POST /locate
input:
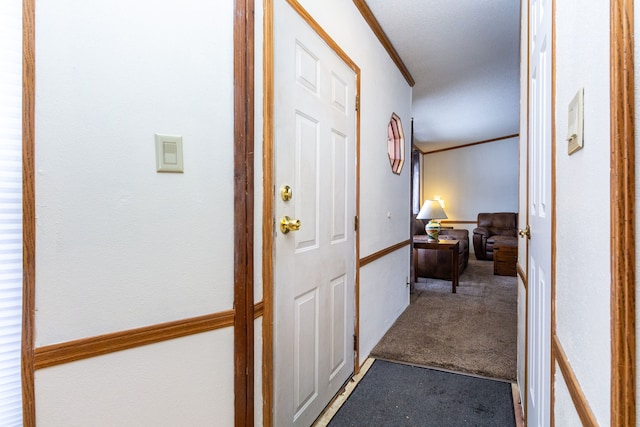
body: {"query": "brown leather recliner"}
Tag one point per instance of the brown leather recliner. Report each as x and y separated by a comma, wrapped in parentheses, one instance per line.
(493, 228)
(437, 264)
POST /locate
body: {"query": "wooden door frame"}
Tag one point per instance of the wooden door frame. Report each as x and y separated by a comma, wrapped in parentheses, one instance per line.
(268, 212)
(623, 253)
(28, 212)
(244, 194)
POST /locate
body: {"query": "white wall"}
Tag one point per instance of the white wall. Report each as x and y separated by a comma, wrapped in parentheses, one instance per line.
(564, 407)
(118, 245)
(383, 298)
(115, 238)
(173, 383)
(479, 178)
(582, 200)
(384, 197)
(471, 180)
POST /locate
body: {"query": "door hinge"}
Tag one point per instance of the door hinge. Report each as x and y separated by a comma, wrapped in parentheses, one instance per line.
(355, 342)
(357, 102)
(355, 223)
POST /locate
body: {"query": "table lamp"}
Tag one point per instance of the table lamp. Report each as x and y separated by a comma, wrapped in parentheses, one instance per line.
(432, 210)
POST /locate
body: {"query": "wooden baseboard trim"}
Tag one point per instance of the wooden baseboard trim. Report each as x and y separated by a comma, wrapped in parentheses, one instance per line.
(85, 348)
(57, 354)
(370, 258)
(579, 399)
(522, 275)
(258, 309)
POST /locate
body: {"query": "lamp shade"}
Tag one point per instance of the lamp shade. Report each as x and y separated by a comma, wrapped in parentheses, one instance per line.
(431, 209)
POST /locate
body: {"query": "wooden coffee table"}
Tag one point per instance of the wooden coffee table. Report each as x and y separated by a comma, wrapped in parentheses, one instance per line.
(442, 245)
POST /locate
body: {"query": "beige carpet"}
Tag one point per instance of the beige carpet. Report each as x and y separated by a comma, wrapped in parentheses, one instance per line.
(473, 331)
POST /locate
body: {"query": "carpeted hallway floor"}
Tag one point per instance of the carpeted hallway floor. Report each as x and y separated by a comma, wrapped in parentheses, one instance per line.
(472, 331)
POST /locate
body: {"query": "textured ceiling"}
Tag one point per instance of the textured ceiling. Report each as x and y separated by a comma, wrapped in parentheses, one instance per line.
(464, 56)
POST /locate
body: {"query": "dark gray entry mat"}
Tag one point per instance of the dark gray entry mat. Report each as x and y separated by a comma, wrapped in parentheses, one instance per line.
(393, 394)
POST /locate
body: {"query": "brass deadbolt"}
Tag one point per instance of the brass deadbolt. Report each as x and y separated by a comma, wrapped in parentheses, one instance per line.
(286, 193)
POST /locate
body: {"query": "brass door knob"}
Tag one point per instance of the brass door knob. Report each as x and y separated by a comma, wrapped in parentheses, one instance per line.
(289, 224)
(526, 232)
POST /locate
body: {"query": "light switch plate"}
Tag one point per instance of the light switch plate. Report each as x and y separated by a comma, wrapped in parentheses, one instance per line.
(169, 153)
(575, 124)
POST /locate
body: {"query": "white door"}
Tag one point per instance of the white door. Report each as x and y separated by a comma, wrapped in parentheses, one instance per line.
(315, 145)
(540, 211)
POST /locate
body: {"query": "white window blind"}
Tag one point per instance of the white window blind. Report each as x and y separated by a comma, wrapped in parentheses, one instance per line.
(10, 211)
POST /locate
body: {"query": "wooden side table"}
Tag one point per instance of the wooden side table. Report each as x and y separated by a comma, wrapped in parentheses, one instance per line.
(505, 258)
(442, 245)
